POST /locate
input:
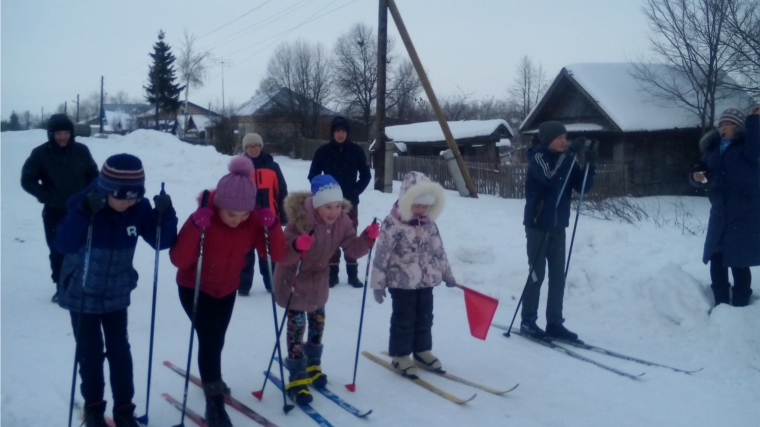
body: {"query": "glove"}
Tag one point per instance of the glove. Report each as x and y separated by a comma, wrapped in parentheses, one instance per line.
(372, 231)
(202, 217)
(92, 203)
(451, 284)
(163, 202)
(303, 243)
(592, 155)
(579, 145)
(379, 295)
(265, 216)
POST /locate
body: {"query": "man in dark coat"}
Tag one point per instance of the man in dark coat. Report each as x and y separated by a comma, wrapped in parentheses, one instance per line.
(547, 214)
(54, 171)
(730, 171)
(343, 160)
(271, 190)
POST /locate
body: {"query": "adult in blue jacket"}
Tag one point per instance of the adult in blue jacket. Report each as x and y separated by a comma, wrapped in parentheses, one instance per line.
(730, 171)
(550, 163)
(117, 212)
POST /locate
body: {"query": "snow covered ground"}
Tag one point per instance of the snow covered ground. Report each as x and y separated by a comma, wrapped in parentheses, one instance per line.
(639, 289)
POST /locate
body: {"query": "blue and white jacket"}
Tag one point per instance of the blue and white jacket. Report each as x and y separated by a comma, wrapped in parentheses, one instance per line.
(110, 276)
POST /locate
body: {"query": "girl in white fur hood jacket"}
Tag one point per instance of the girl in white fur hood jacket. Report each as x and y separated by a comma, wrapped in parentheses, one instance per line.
(410, 260)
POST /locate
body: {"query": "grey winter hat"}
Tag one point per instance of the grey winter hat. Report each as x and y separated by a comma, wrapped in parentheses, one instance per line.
(733, 115)
(550, 130)
(252, 139)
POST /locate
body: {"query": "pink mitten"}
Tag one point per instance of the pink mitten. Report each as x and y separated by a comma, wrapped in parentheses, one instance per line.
(265, 216)
(202, 217)
(373, 230)
(303, 242)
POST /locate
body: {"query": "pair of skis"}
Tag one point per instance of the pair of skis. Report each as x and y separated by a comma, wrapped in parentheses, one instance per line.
(555, 345)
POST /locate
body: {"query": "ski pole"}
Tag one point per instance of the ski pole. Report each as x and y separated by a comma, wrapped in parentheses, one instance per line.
(144, 418)
(577, 214)
(276, 328)
(204, 203)
(352, 387)
(540, 249)
(81, 314)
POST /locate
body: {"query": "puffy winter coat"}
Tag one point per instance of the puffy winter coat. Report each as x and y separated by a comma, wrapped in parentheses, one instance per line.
(312, 288)
(111, 276)
(270, 191)
(547, 172)
(409, 253)
(733, 182)
(224, 250)
(343, 161)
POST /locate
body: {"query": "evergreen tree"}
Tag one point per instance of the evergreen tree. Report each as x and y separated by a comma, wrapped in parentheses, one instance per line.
(14, 123)
(161, 90)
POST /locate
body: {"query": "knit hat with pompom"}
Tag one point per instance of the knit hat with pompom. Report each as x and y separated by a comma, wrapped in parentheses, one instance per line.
(236, 191)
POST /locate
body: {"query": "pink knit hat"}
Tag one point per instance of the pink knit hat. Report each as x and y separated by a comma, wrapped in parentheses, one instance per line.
(236, 191)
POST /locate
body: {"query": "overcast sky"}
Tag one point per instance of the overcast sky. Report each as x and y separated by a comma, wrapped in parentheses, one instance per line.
(53, 50)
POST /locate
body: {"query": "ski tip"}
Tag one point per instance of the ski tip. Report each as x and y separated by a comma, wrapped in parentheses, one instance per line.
(365, 414)
(694, 371)
(287, 408)
(167, 363)
(258, 394)
(467, 400)
(351, 387)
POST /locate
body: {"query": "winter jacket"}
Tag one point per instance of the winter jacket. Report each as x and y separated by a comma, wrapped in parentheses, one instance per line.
(312, 288)
(733, 182)
(224, 250)
(266, 162)
(409, 253)
(111, 276)
(343, 161)
(547, 172)
(53, 173)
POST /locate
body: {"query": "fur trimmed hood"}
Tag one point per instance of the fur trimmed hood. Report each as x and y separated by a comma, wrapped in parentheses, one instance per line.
(414, 185)
(711, 139)
(301, 212)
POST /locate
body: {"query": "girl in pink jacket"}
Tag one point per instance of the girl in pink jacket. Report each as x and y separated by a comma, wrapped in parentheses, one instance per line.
(318, 225)
(410, 261)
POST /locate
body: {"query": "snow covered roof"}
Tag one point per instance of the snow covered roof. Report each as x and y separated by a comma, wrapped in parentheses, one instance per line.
(431, 131)
(260, 104)
(253, 105)
(623, 99)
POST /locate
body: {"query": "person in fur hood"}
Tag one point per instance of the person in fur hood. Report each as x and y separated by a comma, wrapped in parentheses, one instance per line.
(318, 224)
(410, 260)
(730, 171)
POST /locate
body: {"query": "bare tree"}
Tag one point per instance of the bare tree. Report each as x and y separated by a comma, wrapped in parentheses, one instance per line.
(193, 65)
(458, 106)
(689, 37)
(528, 87)
(743, 28)
(403, 91)
(302, 68)
(120, 98)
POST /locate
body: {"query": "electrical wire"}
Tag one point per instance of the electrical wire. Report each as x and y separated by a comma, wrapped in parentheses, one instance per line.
(236, 19)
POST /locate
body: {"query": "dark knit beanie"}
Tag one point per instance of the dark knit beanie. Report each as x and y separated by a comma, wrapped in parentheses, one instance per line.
(733, 115)
(339, 122)
(550, 130)
(122, 177)
(58, 122)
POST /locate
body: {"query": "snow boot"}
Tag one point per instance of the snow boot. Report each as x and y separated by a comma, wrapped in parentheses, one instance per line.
(124, 416)
(558, 331)
(94, 414)
(353, 275)
(314, 365)
(429, 360)
(405, 366)
(531, 330)
(721, 294)
(216, 414)
(298, 387)
(741, 296)
(243, 292)
(334, 270)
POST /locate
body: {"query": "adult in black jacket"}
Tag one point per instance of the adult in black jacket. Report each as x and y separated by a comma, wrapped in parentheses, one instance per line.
(56, 170)
(343, 160)
(271, 190)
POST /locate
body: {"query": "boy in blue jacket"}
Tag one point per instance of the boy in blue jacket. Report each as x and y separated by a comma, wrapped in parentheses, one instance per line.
(549, 164)
(117, 212)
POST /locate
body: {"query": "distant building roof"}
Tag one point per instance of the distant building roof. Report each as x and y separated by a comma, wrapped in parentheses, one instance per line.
(268, 103)
(463, 129)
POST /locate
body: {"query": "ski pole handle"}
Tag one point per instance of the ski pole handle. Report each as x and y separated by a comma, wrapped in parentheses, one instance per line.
(162, 189)
(303, 253)
(204, 200)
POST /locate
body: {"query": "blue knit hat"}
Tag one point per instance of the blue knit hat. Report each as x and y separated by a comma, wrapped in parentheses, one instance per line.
(123, 177)
(325, 189)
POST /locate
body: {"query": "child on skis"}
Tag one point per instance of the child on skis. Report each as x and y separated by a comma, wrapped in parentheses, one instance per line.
(318, 225)
(410, 261)
(102, 225)
(230, 232)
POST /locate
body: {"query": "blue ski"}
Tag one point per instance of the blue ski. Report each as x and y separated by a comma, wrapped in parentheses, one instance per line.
(319, 419)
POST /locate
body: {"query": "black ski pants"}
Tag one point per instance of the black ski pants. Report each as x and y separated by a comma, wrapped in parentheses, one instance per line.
(721, 286)
(545, 247)
(50, 220)
(411, 321)
(246, 276)
(95, 329)
(211, 321)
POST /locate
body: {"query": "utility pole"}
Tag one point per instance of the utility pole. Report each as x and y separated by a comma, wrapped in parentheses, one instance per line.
(223, 63)
(100, 112)
(382, 62)
(66, 107)
(77, 108)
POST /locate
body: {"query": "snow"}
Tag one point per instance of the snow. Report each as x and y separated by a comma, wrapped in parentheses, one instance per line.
(632, 108)
(504, 143)
(251, 106)
(639, 289)
(431, 131)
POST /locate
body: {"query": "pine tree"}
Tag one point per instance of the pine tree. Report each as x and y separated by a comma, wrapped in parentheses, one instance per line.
(14, 123)
(161, 90)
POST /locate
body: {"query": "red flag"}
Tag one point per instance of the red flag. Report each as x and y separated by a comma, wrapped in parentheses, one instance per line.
(480, 311)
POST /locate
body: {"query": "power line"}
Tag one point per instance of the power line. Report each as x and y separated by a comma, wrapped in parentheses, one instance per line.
(236, 19)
